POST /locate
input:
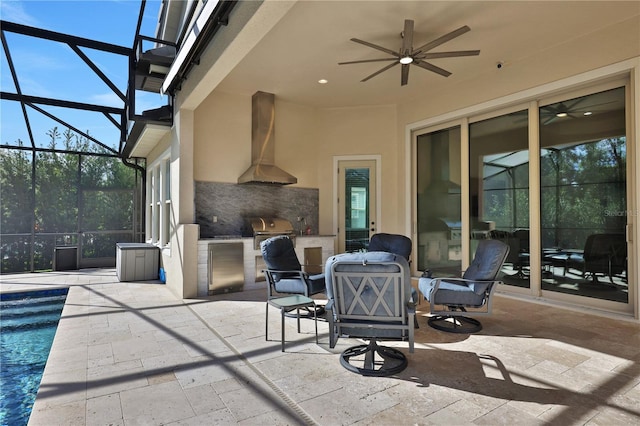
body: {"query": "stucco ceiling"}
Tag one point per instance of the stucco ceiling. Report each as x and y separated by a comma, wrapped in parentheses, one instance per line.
(309, 41)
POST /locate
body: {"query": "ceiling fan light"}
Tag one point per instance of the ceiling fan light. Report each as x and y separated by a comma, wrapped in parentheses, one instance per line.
(406, 60)
(561, 114)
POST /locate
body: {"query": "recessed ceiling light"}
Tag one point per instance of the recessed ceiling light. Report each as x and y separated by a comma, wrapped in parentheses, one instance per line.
(323, 81)
(406, 60)
(587, 113)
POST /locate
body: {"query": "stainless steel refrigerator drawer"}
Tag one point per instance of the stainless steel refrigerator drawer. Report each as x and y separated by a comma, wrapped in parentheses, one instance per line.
(225, 267)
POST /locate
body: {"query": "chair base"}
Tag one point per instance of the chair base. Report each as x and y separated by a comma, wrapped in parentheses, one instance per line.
(455, 324)
(378, 360)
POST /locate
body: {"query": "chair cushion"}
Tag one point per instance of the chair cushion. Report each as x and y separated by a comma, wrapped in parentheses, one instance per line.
(450, 293)
(486, 264)
(280, 255)
(392, 243)
(372, 257)
(316, 284)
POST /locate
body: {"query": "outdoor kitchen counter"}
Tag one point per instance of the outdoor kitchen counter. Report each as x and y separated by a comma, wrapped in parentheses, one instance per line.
(253, 258)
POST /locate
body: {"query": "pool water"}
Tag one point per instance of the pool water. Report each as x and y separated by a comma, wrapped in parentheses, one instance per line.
(28, 323)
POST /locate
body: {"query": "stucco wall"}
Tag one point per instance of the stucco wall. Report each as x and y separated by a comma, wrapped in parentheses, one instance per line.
(223, 139)
(307, 139)
(368, 130)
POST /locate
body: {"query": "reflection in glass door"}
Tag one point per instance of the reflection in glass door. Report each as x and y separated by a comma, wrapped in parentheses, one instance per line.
(356, 204)
(499, 189)
(439, 224)
(583, 196)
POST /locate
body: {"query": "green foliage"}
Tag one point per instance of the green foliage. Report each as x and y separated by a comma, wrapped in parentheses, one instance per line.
(583, 190)
(15, 184)
(71, 193)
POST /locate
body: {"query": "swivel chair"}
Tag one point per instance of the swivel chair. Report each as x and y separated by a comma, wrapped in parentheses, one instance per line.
(396, 244)
(604, 254)
(369, 297)
(284, 273)
(474, 290)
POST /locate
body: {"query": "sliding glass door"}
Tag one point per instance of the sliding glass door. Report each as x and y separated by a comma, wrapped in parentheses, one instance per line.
(583, 194)
(499, 189)
(550, 180)
(439, 222)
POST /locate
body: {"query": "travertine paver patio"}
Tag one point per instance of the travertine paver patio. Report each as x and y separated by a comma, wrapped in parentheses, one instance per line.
(133, 354)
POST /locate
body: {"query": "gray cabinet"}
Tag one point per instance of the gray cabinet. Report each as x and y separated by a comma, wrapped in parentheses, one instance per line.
(137, 261)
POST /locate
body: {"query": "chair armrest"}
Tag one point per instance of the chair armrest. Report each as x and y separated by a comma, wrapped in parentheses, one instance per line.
(413, 303)
(329, 305)
(411, 308)
(300, 274)
(462, 282)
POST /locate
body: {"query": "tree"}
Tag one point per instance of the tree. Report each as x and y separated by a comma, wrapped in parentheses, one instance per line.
(74, 195)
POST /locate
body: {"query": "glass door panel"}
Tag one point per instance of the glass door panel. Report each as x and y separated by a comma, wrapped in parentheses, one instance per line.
(583, 196)
(357, 204)
(439, 247)
(499, 189)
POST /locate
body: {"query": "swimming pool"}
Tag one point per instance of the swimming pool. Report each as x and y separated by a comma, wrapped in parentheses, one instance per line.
(28, 325)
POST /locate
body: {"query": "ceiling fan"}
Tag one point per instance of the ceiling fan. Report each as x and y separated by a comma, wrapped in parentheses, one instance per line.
(407, 55)
(570, 109)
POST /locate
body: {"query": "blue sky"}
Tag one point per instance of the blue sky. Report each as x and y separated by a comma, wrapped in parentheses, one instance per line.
(52, 70)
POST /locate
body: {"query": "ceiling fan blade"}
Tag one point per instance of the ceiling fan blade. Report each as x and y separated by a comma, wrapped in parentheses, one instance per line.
(367, 60)
(575, 103)
(435, 55)
(375, 46)
(592, 107)
(379, 71)
(441, 40)
(407, 38)
(431, 67)
(404, 79)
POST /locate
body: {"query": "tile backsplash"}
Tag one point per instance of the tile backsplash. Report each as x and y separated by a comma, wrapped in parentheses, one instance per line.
(233, 205)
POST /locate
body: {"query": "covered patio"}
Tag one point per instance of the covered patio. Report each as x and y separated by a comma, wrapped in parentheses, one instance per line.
(133, 353)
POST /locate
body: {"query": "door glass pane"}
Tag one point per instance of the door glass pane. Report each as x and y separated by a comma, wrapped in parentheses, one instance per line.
(438, 198)
(356, 209)
(499, 189)
(583, 196)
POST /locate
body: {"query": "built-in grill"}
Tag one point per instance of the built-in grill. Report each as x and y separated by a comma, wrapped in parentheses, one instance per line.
(267, 227)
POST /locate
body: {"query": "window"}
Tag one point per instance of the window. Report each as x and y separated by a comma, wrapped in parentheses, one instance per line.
(358, 207)
(159, 224)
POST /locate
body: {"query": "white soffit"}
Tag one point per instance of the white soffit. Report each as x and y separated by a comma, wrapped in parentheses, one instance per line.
(150, 137)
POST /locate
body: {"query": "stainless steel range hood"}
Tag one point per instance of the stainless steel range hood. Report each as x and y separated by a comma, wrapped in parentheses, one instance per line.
(263, 168)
